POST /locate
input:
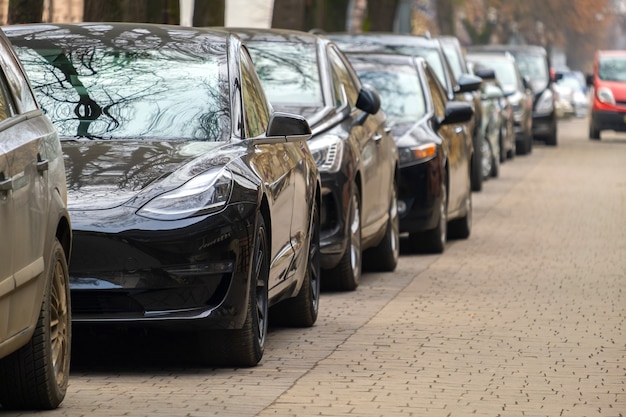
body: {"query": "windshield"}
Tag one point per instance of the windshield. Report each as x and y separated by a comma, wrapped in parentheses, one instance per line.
(504, 69)
(534, 68)
(612, 68)
(288, 72)
(401, 94)
(108, 93)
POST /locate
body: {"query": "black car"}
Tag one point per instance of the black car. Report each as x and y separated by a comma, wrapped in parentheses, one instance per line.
(534, 65)
(518, 93)
(432, 50)
(194, 205)
(351, 143)
(433, 189)
(35, 248)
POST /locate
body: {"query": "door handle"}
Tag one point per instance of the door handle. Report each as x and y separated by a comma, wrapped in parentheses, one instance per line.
(6, 184)
(42, 165)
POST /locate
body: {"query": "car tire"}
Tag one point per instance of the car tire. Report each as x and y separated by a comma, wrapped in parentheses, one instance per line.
(477, 171)
(384, 257)
(302, 310)
(522, 147)
(434, 240)
(39, 371)
(594, 133)
(244, 347)
(495, 168)
(487, 162)
(461, 228)
(551, 139)
(347, 274)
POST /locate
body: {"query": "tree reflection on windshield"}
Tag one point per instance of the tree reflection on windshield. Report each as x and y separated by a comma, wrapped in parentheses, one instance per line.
(126, 89)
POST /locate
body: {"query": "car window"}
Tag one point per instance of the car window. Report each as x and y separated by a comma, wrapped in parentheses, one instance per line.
(453, 59)
(535, 68)
(256, 111)
(341, 72)
(285, 68)
(612, 68)
(16, 80)
(399, 87)
(6, 105)
(95, 90)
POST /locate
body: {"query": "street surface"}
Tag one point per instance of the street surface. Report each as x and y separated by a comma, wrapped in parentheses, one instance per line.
(525, 318)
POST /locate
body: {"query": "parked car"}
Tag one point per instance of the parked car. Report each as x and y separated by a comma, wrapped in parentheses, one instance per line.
(432, 51)
(458, 64)
(577, 94)
(608, 109)
(351, 143)
(434, 194)
(534, 65)
(195, 206)
(35, 246)
(518, 93)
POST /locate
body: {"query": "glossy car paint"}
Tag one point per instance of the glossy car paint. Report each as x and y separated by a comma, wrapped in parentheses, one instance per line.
(420, 190)
(608, 109)
(137, 265)
(368, 157)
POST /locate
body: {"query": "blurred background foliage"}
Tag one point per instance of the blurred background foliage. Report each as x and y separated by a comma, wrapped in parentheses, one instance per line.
(567, 28)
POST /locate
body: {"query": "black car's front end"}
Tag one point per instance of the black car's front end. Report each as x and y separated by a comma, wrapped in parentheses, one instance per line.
(419, 185)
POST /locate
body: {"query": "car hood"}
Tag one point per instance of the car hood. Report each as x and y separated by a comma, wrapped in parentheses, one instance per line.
(408, 135)
(107, 174)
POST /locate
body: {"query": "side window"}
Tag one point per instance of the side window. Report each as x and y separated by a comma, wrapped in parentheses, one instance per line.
(342, 75)
(6, 105)
(256, 110)
(16, 80)
(437, 92)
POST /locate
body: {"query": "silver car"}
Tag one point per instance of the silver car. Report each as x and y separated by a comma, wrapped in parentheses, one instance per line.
(35, 242)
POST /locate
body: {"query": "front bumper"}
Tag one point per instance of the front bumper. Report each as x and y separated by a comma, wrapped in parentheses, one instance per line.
(609, 120)
(419, 195)
(128, 269)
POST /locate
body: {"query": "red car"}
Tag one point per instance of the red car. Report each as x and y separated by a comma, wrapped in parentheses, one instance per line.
(608, 111)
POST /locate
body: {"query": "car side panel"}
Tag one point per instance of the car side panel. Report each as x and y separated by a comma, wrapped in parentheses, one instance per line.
(7, 284)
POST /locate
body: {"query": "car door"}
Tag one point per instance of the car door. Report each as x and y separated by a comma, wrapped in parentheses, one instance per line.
(28, 189)
(364, 134)
(6, 245)
(276, 165)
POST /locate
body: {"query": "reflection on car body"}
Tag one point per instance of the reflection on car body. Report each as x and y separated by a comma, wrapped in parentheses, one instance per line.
(352, 146)
(431, 198)
(195, 205)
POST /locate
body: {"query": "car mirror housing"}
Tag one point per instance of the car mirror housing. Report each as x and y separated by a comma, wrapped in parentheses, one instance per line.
(487, 74)
(469, 83)
(290, 126)
(368, 100)
(458, 112)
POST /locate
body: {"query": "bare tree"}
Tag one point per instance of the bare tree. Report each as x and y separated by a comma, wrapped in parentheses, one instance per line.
(289, 14)
(382, 14)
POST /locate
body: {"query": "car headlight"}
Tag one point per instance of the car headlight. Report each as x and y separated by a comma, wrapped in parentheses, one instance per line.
(416, 154)
(204, 193)
(605, 95)
(545, 104)
(327, 152)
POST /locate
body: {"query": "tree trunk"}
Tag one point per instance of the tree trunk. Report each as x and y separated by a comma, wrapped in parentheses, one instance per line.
(101, 11)
(445, 16)
(382, 14)
(289, 14)
(25, 11)
(209, 12)
(327, 15)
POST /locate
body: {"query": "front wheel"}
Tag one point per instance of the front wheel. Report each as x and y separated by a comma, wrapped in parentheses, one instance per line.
(384, 257)
(477, 168)
(347, 274)
(244, 347)
(594, 133)
(461, 228)
(39, 371)
(434, 240)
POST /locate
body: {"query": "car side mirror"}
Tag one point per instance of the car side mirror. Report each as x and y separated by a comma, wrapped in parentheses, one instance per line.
(469, 83)
(289, 126)
(458, 112)
(487, 74)
(368, 100)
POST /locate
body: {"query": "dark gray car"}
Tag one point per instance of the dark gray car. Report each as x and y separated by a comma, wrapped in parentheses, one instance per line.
(35, 332)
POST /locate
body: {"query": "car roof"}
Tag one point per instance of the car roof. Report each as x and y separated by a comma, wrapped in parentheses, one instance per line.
(528, 49)
(275, 35)
(362, 41)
